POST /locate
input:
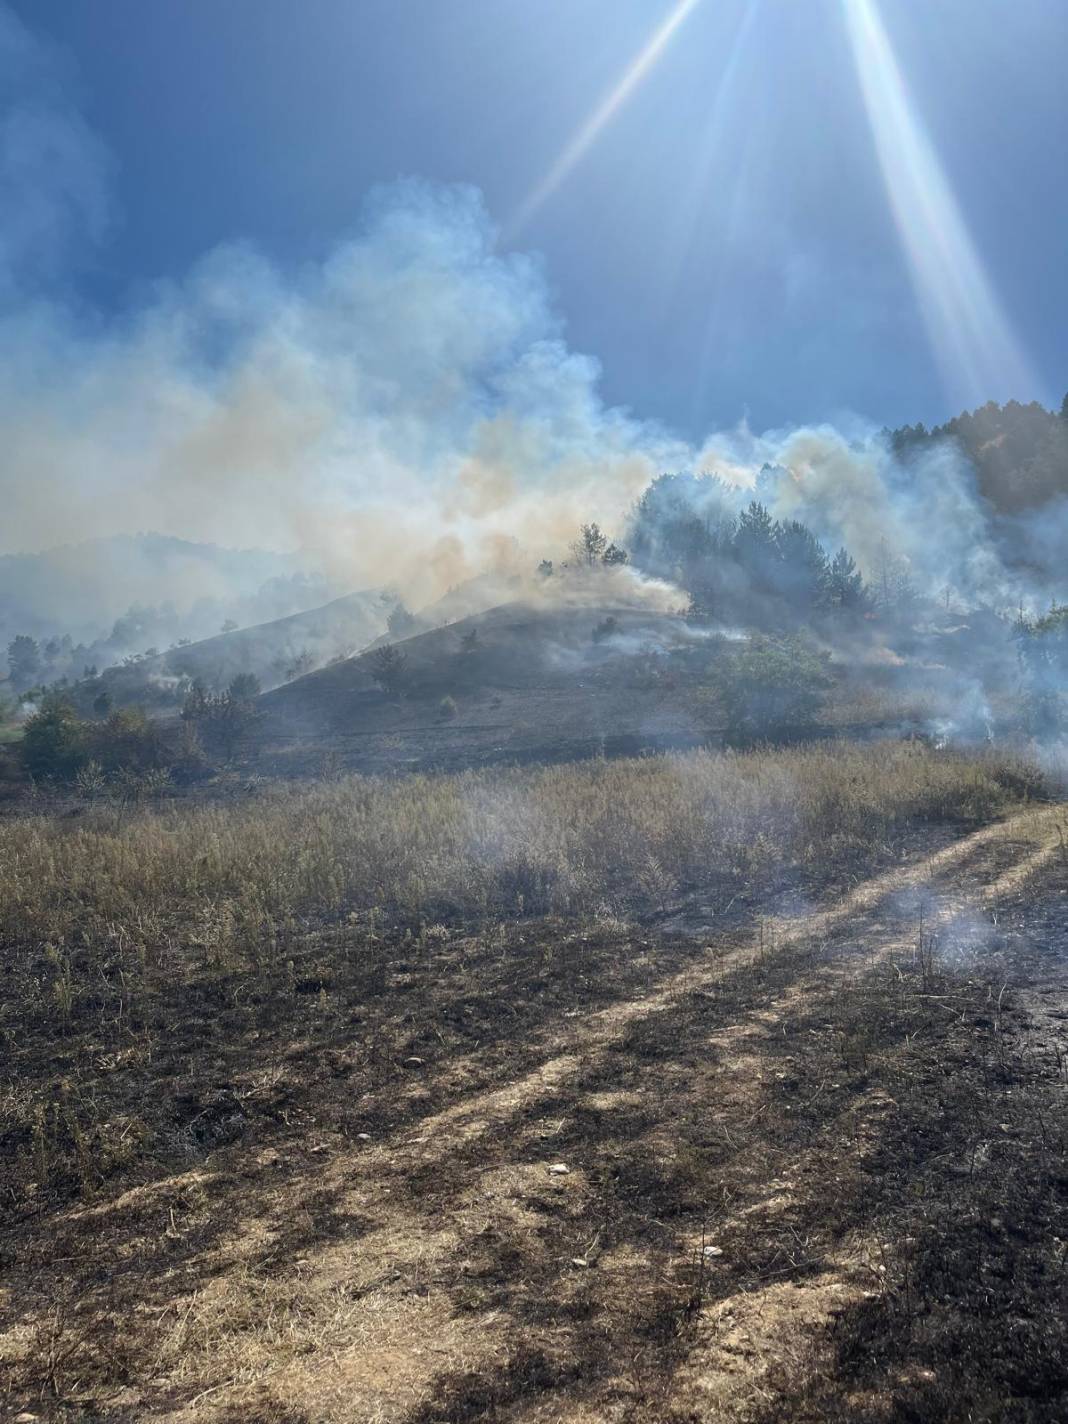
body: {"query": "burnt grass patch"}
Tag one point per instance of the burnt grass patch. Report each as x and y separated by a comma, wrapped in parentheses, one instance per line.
(858, 1116)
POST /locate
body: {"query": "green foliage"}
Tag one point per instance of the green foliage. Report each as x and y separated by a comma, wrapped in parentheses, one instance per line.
(23, 660)
(447, 709)
(127, 740)
(771, 686)
(1019, 452)
(845, 584)
(221, 720)
(1043, 648)
(400, 622)
(54, 743)
(589, 548)
(744, 568)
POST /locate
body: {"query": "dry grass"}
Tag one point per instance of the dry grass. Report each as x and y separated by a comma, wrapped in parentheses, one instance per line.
(275, 1139)
(228, 878)
(308, 1228)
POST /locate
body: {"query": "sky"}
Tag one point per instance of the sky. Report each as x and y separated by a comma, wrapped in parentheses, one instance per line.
(783, 214)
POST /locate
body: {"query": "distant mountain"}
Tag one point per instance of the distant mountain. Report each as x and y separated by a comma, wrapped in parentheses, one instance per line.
(82, 589)
(274, 652)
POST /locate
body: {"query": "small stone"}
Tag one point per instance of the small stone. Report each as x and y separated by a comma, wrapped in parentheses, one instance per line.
(579, 1261)
(713, 1251)
(363, 1137)
(558, 1169)
(413, 1062)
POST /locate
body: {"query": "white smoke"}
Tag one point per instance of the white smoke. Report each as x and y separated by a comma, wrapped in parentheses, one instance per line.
(404, 412)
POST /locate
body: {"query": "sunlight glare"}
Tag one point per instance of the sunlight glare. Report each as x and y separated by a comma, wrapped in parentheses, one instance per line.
(968, 328)
(603, 114)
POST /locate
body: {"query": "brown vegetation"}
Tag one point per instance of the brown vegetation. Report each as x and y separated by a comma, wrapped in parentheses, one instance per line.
(289, 1079)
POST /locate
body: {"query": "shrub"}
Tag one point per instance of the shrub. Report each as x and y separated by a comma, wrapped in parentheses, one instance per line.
(127, 739)
(447, 709)
(244, 687)
(770, 686)
(388, 666)
(54, 741)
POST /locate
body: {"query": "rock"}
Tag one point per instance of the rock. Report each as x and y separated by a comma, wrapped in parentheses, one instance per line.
(413, 1062)
(558, 1169)
(579, 1261)
(363, 1137)
(711, 1251)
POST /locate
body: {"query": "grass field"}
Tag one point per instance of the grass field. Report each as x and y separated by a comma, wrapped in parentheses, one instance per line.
(710, 1087)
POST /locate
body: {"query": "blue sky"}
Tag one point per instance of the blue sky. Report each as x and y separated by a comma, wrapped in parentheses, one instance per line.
(724, 245)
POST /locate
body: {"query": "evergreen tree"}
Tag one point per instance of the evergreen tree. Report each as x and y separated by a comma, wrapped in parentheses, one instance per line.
(845, 584)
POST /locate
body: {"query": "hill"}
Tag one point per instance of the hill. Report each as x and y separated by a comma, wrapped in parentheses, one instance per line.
(517, 682)
(272, 652)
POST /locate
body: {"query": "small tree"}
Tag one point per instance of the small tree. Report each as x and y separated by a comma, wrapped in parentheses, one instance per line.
(589, 548)
(845, 584)
(23, 660)
(244, 687)
(400, 622)
(388, 666)
(300, 666)
(614, 555)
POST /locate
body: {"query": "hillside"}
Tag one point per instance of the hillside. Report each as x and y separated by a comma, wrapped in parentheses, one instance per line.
(522, 683)
(272, 651)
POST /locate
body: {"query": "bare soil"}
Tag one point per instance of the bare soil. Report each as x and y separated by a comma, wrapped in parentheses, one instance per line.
(798, 1157)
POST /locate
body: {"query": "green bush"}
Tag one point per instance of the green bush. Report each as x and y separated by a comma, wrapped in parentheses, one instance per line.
(771, 686)
(54, 743)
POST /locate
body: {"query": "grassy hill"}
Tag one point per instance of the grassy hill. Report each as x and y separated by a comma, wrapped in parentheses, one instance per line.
(516, 683)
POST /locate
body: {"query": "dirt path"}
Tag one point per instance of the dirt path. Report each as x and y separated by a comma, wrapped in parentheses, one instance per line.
(536, 1251)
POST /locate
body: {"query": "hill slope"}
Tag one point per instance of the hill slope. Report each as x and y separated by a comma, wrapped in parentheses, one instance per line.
(516, 683)
(271, 651)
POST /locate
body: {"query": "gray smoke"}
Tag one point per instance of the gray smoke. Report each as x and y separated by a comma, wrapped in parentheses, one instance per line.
(405, 412)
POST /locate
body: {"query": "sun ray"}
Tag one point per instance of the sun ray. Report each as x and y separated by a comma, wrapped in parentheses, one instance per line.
(604, 113)
(969, 331)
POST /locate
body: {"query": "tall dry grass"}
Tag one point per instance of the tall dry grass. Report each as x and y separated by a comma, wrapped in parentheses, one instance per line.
(560, 839)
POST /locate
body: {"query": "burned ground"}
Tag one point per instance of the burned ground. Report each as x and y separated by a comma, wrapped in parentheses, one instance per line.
(524, 684)
(813, 1140)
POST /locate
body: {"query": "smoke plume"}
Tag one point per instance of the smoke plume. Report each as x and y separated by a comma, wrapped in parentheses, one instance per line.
(404, 411)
